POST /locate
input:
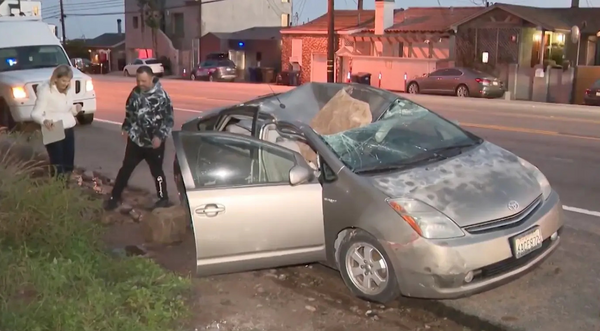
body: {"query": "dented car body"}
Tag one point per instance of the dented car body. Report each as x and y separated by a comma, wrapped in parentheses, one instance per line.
(398, 199)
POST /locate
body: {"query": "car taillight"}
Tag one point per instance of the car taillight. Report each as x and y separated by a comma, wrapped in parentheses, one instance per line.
(483, 81)
(588, 92)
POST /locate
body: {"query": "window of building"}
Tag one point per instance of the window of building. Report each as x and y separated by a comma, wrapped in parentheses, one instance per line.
(178, 25)
(285, 19)
(136, 22)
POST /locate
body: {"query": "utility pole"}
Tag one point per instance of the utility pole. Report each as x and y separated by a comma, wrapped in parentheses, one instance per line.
(360, 4)
(62, 22)
(330, 42)
(200, 31)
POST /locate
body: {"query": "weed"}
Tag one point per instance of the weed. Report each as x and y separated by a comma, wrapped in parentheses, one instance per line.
(55, 273)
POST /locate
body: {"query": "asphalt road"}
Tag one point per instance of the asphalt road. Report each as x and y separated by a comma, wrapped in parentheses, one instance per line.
(563, 141)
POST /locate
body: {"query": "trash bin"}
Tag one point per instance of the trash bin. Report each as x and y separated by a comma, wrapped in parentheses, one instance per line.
(361, 78)
(268, 74)
(252, 74)
(294, 78)
(283, 78)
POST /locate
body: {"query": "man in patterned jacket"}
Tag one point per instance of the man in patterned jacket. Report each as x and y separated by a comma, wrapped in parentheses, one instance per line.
(147, 125)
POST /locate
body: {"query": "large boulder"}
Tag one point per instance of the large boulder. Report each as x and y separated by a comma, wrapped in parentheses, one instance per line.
(164, 225)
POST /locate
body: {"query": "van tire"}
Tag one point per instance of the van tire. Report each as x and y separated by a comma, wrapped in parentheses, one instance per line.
(6, 119)
(85, 119)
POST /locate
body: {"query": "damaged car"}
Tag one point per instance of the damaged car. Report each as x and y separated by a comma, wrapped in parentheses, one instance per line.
(398, 199)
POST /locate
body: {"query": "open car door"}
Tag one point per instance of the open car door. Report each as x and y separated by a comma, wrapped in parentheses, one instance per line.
(246, 213)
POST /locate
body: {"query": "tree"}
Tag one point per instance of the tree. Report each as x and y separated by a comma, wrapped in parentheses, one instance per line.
(151, 14)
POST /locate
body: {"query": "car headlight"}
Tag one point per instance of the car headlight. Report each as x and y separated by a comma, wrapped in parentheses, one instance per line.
(18, 92)
(427, 221)
(89, 86)
(539, 176)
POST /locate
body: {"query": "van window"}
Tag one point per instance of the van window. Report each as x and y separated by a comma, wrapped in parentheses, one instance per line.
(32, 57)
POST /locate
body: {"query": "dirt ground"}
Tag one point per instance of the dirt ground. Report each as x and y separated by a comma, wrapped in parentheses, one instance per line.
(301, 298)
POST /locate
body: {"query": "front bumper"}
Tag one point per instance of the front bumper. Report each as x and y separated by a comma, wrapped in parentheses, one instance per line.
(21, 112)
(436, 269)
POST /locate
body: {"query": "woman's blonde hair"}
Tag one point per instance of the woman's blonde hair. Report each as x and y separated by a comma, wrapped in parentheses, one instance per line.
(59, 72)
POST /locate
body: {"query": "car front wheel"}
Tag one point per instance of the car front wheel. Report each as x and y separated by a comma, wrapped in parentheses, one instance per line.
(366, 269)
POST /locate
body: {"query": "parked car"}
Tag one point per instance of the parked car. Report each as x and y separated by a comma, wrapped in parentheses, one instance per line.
(85, 65)
(214, 70)
(154, 64)
(398, 199)
(592, 95)
(462, 82)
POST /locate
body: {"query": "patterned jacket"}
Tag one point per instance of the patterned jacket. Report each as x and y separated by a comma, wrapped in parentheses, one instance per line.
(148, 114)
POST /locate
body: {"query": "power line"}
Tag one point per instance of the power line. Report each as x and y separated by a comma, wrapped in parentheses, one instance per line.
(87, 4)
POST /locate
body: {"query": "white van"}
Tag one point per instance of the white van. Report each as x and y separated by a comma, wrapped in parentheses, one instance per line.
(29, 52)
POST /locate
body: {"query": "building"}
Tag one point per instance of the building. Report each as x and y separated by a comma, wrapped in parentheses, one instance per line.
(403, 43)
(183, 22)
(28, 8)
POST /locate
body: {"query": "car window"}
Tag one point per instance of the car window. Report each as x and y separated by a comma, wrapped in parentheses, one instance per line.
(226, 63)
(209, 63)
(218, 161)
(152, 61)
(596, 84)
(438, 73)
(406, 132)
(31, 57)
(452, 72)
(138, 61)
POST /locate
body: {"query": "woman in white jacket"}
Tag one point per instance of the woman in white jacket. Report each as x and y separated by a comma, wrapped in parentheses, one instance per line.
(55, 103)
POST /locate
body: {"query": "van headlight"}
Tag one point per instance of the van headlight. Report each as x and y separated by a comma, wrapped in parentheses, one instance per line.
(427, 221)
(18, 92)
(89, 86)
(539, 176)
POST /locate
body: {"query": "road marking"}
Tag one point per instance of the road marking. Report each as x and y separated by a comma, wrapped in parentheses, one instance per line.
(581, 211)
(189, 110)
(524, 130)
(567, 208)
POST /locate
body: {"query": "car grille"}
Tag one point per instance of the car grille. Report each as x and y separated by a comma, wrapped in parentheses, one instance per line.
(34, 87)
(77, 86)
(506, 222)
(512, 263)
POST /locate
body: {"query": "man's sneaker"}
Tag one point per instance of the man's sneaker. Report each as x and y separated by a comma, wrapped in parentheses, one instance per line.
(111, 204)
(162, 203)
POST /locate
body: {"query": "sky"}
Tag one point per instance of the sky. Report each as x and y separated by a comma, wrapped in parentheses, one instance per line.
(91, 18)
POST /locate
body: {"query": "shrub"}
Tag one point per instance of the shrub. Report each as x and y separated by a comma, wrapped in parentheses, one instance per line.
(55, 273)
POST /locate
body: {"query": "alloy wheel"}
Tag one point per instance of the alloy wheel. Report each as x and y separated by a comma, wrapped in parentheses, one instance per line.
(462, 92)
(367, 269)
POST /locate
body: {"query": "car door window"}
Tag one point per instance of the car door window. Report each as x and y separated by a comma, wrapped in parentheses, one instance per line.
(437, 73)
(235, 161)
(208, 64)
(137, 61)
(452, 73)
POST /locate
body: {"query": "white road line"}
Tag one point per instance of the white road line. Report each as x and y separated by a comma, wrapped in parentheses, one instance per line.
(189, 110)
(567, 208)
(582, 211)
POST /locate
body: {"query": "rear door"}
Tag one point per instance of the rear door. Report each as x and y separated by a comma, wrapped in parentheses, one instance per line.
(449, 81)
(243, 220)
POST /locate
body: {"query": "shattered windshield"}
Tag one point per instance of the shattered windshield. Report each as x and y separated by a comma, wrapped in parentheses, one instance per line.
(405, 135)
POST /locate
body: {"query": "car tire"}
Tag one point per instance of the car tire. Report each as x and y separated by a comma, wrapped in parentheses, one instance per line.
(211, 78)
(462, 91)
(413, 88)
(6, 119)
(85, 119)
(354, 243)
(192, 77)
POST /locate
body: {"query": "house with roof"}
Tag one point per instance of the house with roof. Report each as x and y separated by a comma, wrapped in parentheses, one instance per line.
(109, 49)
(396, 44)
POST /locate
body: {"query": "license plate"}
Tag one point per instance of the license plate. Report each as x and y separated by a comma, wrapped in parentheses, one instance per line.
(598, 94)
(495, 83)
(527, 242)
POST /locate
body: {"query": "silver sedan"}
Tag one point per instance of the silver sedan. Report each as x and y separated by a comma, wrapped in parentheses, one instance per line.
(398, 199)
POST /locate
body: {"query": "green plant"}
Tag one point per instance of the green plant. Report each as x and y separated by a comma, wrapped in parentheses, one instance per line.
(55, 273)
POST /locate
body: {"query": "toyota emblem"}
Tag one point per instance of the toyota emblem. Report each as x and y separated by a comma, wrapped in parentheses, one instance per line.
(513, 205)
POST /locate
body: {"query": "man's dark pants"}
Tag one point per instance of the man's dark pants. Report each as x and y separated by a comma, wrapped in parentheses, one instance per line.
(134, 154)
(62, 154)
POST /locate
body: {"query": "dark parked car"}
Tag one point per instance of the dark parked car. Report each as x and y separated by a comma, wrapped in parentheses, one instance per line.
(85, 65)
(462, 82)
(592, 95)
(215, 70)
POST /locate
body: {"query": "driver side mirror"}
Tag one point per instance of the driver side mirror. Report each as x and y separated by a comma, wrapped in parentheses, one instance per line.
(300, 175)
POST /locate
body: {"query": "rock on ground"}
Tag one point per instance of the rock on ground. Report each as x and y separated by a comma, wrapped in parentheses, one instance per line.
(164, 225)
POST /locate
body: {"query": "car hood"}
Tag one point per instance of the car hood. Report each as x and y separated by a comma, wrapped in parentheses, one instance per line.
(34, 75)
(471, 188)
